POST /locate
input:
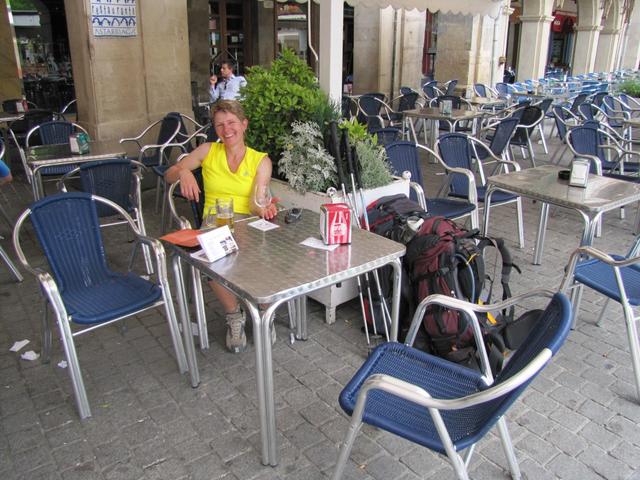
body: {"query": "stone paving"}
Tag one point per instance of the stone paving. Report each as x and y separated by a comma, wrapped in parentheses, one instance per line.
(578, 420)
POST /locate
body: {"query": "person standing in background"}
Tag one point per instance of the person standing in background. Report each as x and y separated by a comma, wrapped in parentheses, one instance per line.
(227, 86)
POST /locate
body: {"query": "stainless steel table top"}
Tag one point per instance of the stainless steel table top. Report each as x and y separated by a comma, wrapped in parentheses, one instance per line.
(273, 265)
(542, 183)
(433, 113)
(486, 102)
(6, 117)
(60, 154)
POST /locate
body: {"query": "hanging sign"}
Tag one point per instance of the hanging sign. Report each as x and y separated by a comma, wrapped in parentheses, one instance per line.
(114, 18)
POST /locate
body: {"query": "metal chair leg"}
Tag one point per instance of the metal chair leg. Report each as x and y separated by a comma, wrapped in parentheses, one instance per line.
(10, 264)
(634, 345)
(520, 221)
(46, 335)
(345, 450)
(509, 452)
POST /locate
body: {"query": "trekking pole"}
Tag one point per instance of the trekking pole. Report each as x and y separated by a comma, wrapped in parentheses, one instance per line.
(355, 178)
(335, 143)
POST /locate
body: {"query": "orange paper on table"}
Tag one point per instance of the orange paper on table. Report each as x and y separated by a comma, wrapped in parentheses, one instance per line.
(185, 238)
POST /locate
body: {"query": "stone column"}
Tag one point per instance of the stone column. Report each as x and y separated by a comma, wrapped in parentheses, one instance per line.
(331, 19)
(534, 46)
(631, 46)
(456, 55)
(10, 82)
(366, 34)
(607, 51)
(124, 84)
(585, 48)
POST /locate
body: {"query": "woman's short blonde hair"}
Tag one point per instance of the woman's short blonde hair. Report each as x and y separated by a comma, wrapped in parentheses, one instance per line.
(228, 106)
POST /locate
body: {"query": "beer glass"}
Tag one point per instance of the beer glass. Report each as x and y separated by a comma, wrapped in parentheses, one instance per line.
(224, 212)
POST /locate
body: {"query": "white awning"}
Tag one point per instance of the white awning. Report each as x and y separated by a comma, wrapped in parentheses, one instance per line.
(465, 7)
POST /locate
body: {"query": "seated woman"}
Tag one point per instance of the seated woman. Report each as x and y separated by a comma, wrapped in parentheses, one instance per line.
(229, 169)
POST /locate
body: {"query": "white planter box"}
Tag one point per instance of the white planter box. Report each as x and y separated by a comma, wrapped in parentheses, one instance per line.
(336, 295)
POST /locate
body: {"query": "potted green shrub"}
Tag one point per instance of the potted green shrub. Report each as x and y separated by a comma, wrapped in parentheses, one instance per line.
(279, 95)
(630, 87)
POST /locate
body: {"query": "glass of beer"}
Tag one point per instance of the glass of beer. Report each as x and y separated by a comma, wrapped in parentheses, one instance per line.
(224, 212)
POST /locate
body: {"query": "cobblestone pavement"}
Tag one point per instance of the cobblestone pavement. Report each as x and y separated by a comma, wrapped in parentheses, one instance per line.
(578, 420)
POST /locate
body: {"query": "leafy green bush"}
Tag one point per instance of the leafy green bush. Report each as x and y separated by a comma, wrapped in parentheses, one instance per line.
(277, 96)
(304, 162)
(630, 87)
(374, 164)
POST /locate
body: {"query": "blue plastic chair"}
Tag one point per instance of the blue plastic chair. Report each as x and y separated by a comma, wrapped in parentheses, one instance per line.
(403, 157)
(456, 151)
(480, 89)
(150, 152)
(530, 118)
(81, 288)
(118, 180)
(49, 133)
(441, 405)
(590, 140)
(369, 110)
(431, 90)
(617, 278)
(450, 87)
(387, 135)
(563, 120)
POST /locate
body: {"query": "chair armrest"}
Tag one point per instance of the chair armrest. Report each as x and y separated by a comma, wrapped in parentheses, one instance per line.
(592, 252)
(473, 192)
(494, 157)
(142, 134)
(182, 221)
(420, 396)
(470, 310)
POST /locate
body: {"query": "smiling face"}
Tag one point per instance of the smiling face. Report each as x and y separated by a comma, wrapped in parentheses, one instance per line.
(229, 127)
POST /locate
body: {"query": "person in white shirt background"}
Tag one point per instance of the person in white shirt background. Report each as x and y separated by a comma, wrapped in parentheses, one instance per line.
(227, 86)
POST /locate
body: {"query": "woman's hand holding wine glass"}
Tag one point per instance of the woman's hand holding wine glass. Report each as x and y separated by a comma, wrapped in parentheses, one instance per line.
(264, 200)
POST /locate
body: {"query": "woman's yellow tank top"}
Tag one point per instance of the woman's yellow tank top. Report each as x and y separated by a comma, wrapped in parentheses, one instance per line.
(219, 181)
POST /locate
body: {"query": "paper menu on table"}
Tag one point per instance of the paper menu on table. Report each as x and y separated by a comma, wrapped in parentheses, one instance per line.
(217, 243)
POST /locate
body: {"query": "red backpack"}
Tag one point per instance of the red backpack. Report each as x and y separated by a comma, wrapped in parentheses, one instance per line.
(432, 260)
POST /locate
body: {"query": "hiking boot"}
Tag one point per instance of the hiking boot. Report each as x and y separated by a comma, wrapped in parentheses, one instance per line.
(236, 338)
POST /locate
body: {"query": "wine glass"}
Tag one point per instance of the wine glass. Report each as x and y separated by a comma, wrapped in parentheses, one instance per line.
(263, 195)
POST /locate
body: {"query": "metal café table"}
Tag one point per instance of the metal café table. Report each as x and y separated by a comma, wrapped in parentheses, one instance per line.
(41, 156)
(487, 103)
(271, 268)
(432, 115)
(8, 117)
(602, 194)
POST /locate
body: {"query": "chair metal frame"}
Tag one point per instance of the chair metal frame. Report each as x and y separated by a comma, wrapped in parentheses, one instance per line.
(184, 143)
(3, 254)
(417, 187)
(511, 386)
(627, 267)
(528, 129)
(53, 297)
(56, 171)
(135, 199)
(502, 164)
(145, 149)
